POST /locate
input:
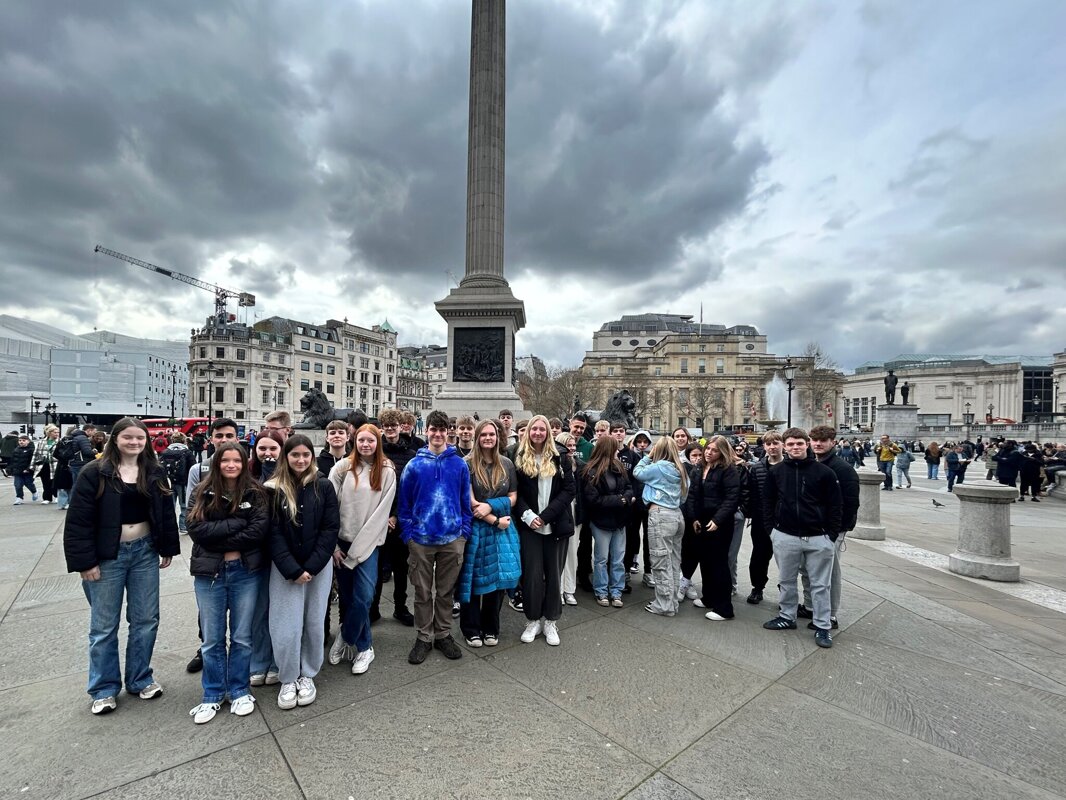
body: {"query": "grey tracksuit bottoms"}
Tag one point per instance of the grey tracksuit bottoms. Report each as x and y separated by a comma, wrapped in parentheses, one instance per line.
(834, 581)
(296, 630)
(817, 554)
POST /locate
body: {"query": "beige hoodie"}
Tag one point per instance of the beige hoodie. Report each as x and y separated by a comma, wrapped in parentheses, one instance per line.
(364, 512)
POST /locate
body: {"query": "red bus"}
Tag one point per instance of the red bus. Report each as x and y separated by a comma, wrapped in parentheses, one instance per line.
(187, 425)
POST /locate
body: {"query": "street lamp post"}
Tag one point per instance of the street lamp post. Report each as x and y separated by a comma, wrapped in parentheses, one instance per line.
(173, 390)
(182, 407)
(790, 377)
(36, 411)
(967, 420)
(1036, 408)
(990, 409)
(147, 407)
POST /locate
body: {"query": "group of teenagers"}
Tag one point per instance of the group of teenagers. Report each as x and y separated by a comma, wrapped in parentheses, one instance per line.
(466, 520)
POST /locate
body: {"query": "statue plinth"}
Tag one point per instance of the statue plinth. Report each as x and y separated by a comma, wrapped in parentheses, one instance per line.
(897, 420)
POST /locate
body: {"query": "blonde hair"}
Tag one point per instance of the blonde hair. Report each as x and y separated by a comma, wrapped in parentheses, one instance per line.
(528, 461)
(489, 475)
(284, 480)
(666, 450)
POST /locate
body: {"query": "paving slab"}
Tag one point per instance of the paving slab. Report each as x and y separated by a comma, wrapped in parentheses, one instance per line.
(470, 732)
(1013, 728)
(660, 787)
(832, 755)
(679, 695)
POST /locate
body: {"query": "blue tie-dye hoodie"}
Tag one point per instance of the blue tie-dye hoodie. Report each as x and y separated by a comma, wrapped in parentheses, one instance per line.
(434, 498)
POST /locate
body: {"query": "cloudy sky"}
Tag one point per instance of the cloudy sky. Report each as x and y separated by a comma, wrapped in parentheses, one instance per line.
(882, 177)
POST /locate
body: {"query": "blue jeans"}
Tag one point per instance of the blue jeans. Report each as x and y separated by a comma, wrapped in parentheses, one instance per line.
(179, 498)
(358, 586)
(609, 548)
(233, 590)
(62, 499)
(27, 481)
(134, 573)
(885, 467)
(934, 472)
(262, 648)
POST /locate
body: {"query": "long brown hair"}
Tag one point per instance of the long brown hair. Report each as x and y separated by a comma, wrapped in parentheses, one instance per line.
(213, 498)
(726, 457)
(255, 464)
(486, 470)
(377, 462)
(284, 480)
(147, 463)
(604, 458)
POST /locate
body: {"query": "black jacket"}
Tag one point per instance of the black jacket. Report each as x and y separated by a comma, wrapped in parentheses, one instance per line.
(557, 513)
(245, 531)
(630, 457)
(399, 454)
(849, 490)
(715, 497)
(608, 502)
(307, 544)
(83, 448)
(758, 475)
(21, 460)
(327, 461)
(93, 524)
(803, 498)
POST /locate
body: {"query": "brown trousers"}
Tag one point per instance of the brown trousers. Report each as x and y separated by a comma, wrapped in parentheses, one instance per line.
(433, 614)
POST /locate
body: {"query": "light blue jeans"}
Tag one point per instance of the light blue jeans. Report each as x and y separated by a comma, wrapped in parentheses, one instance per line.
(357, 585)
(231, 593)
(135, 574)
(608, 571)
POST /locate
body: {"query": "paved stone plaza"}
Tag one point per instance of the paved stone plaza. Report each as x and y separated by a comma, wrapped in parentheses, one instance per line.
(938, 686)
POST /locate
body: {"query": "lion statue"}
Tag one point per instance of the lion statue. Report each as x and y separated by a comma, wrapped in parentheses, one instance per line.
(319, 412)
(621, 407)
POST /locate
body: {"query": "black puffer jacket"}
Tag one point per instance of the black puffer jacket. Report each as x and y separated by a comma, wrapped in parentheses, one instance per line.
(758, 475)
(305, 545)
(715, 497)
(244, 531)
(21, 460)
(608, 502)
(83, 448)
(803, 498)
(93, 524)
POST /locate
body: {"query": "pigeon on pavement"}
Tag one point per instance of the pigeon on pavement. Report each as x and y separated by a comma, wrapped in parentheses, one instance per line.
(938, 505)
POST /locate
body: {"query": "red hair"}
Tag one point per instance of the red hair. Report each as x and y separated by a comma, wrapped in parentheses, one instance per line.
(377, 463)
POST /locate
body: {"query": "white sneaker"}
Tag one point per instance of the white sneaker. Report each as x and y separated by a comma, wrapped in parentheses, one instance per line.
(18, 501)
(698, 603)
(692, 593)
(257, 679)
(151, 691)
(340, 651)
(714, 616)
(305, 691)
(531, 631)
(648, 580)
(205, 712)
(104, 706)
(682, 588)
(242, 706)
(46, 502)
(569, 599)
(272, 677)
(551, 632)
(287, 696)
(362, 661)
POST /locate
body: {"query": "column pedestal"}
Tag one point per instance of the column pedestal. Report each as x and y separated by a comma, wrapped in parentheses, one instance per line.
(984, 532)
(898, 421)
(869, 526)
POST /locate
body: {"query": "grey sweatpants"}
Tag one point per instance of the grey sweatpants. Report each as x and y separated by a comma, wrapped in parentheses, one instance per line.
(666, 526)
(734, 546)
(296, 631)
(834, 581)
(817, 554)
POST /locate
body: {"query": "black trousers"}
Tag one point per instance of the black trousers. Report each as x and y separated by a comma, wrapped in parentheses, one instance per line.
(1030, 483)
(47, 492)
(637, 520)
(713, 548)
(395, 552)
(542, 569)
(584, 555)
(762, 553)
(481, 616)
(690, 556)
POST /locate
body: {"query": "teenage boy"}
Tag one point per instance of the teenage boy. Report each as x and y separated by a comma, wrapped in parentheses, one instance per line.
(279, 421)
(638, 516)
(578, 423)
(20, 465)
(407, 429)
(803, 506)
(464, 434)
(393, 555)
(506, 418)
(823, 443)
(436, 518)
(336, 447)
(762, 549)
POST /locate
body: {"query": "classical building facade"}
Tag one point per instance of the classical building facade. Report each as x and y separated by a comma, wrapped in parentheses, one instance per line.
(701, 376)
(946, 386)
(412, 391)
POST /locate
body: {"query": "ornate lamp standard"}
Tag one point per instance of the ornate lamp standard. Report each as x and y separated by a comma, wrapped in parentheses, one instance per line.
(173, 393)
(967, 420)
(790, 377)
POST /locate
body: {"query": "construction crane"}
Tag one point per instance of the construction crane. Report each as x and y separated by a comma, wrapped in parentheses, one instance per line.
(222, 296)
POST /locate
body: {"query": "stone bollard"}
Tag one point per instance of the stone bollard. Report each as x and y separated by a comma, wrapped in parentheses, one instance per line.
(983, 550)
(869, 524)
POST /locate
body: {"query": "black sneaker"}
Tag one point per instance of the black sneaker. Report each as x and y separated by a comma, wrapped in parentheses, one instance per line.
(404, 616)
(516, 602)
(823, 638)
(419, 652)
(196, 663)
(448, 646)
(755, 597)
(456, 608)
(780, 624)
(832, 623)
(803, 612)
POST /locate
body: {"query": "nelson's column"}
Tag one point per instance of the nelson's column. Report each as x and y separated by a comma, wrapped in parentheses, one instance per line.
(482, 313)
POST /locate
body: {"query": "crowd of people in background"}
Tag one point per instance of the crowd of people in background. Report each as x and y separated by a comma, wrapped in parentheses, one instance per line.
(479, 515)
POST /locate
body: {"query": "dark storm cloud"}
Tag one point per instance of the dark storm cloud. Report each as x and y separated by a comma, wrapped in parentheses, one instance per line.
(266, 280)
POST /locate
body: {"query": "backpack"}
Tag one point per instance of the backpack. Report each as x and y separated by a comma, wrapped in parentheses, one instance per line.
(174, 463)
(65, 450)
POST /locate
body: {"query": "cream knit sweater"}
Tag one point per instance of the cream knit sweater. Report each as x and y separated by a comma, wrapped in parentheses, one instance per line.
(364, 512)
